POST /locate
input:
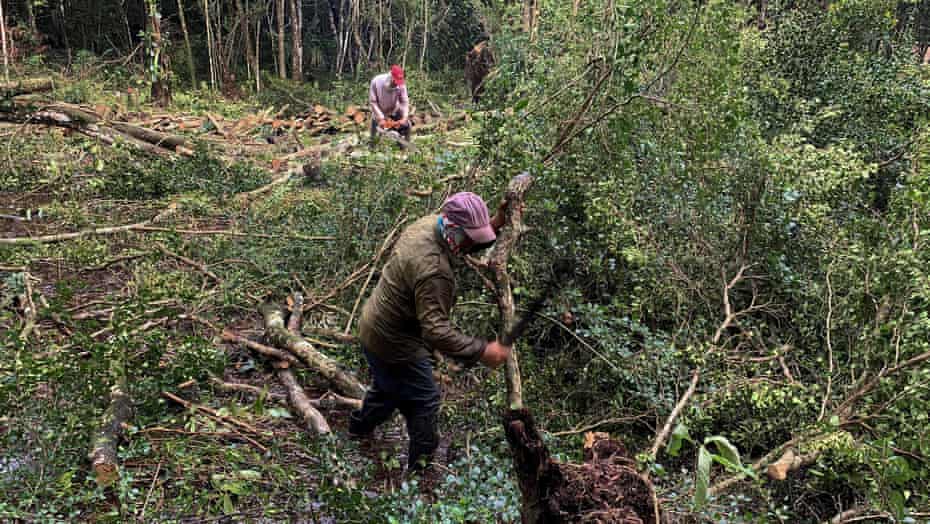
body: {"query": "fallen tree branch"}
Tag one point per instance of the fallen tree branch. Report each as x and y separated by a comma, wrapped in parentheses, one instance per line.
(223, 434)
(385, 246)
(682, 402)
(26, 86)
(192, 263)
(103, 457)
(87, 232)
(213, 413)
(859, 513)
(278, 334)
(229, 233)
(296, 396)
(274, 353)
(236, 387)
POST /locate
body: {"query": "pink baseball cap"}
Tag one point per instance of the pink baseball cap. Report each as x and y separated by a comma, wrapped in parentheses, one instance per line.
(469, 211)
(397, 73)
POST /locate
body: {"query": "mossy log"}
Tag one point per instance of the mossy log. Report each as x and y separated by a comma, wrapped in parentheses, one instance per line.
(103, 457)
(279, 336)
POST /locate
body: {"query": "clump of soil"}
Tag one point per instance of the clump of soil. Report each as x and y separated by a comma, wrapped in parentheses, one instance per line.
(606, 488)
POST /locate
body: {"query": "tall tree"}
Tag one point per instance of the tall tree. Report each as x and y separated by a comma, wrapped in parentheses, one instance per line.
(250, 52)
(297, 46)
(6, 57)
(187, 45)
(282, 65)
(158, 66)
(211, 47)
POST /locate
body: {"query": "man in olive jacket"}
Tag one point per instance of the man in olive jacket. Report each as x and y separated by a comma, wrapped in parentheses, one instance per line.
(407, 316)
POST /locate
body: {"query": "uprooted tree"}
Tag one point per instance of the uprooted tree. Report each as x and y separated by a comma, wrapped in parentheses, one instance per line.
(607, 487)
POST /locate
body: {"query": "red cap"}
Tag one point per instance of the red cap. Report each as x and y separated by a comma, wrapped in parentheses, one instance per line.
(469, 211)
(397, 73)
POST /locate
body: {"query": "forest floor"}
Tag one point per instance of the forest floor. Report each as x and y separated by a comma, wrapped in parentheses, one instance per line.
(206, 250)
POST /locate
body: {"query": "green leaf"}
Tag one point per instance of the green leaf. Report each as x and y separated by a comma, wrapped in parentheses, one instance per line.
(702, 476)
(228, 507)
(248, 474)
(724, 448)
(236, 487)
(679, 434)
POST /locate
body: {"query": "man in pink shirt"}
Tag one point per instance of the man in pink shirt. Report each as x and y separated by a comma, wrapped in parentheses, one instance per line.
(390, 106)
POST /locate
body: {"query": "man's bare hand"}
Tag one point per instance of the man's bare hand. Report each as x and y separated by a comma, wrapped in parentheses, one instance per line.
(383, 123)
(495, 354)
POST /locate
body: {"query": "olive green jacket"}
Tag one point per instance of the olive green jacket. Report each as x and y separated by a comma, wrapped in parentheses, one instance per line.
(407, 315)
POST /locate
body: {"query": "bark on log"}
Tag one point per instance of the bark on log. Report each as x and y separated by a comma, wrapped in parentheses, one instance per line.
(103, 457)
(278, 335)
(296, 396)
(26, 86)
(169, 142)
(301, 403)
(275, 353)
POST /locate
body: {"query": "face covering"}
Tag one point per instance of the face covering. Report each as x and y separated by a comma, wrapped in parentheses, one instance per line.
(456, 237)
(453, 234)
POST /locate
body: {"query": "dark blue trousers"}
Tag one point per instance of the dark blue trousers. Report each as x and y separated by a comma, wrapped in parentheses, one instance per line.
(409, 388)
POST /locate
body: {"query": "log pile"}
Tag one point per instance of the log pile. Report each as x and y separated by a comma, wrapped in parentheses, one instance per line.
(167, 134)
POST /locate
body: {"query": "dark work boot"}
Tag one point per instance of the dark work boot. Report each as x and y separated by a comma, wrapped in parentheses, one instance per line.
(377, 408)
(424, 439)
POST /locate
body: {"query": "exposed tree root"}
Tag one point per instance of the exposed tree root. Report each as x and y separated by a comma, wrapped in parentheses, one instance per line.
(607, 488)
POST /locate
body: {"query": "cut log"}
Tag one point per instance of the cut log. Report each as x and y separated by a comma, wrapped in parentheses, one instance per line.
(103, 457)
(301, 403)
(295, 394)
(169, 142)
(789, 461)
(26, 86)
(277, 334)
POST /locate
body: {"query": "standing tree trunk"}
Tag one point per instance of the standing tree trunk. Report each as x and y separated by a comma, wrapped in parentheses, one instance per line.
(297, 46)
(158, 68)
(425, 33)
(31, 15)
(6, 56)
(211, 51)
(187, 45)
(282, 65)
(258, 53)
(244, 20)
